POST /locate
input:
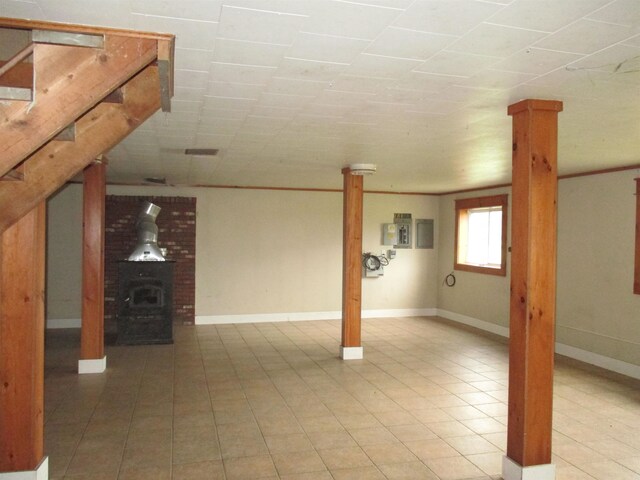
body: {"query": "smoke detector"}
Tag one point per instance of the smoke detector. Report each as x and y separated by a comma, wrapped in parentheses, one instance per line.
(362, 168)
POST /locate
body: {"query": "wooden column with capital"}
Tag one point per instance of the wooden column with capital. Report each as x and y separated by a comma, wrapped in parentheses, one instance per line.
(533, 289)
(22, 274)
(92, 358)
(351, 347)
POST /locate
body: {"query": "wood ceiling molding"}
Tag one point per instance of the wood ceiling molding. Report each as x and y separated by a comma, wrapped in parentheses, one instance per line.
(97, 131)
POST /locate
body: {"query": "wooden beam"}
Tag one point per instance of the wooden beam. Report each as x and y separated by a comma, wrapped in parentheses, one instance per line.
(92, 332)
(68, 82)
(22, 251)
(352, 259)
(23, 24)
(533, 281)
(97, 131)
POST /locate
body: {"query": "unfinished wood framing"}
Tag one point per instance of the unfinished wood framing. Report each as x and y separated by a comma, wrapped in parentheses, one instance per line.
(533, 281)
(92, 332)
(97, 131)
(352, 259)
(22, 267)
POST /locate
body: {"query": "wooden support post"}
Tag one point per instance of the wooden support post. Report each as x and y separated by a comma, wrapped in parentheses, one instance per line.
(533, 290)
(92, 358)
(351, 347)
(22, 267)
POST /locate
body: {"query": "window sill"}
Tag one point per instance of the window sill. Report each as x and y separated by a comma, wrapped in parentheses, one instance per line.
(502, 272)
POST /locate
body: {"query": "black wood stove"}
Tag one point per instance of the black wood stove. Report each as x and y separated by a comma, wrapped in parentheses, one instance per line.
(145, 302)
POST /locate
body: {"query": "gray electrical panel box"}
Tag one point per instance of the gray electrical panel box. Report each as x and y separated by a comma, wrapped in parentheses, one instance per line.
(403, 223)
(389, 234)
(424, 233)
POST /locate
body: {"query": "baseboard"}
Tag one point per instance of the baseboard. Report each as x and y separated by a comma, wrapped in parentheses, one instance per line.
(40, 473)
(309, 316)
(608, 363)
(53, 323)
(474, 322)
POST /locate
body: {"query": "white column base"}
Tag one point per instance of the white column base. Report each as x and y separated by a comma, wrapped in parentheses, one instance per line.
(40, 473)
(513, 471)
(351, 353)
(98, 365)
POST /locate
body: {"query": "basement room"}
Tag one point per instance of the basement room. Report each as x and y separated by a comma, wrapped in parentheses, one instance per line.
(319, 239)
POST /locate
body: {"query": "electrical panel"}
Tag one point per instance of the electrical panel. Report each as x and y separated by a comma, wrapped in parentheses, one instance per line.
(403, 224)
(389, 234)
(424, 233)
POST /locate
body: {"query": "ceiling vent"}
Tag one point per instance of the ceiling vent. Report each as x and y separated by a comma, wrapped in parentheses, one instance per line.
(156, 180)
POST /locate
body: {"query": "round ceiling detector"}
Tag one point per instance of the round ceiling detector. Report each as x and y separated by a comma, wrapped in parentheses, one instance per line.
(362, 168)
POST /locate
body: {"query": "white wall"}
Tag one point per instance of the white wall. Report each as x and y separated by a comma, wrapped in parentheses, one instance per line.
(262, 251)
(596, 308)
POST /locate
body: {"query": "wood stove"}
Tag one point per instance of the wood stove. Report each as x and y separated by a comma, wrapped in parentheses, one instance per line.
(145, 302)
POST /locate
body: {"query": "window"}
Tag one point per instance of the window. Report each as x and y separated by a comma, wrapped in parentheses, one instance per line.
(481, 235)
(636, 276)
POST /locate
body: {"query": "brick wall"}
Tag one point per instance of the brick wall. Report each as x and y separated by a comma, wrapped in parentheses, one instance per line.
(176, 232)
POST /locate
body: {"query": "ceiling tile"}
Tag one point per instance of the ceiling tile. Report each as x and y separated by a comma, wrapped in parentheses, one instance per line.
(284, 100)
(634, 41)
(233, 73)
(545, 15)
(536, 61)
(191, 79)
(249, 53)
(283, 6)
(188, 94)
(622, 12)
(360, 84)
(20, 9)
(228, 103)
(93, 12)
(226, 113)
(275, 112)
(193, 106)
(367, 65)
(301, 69)
(259, 25)
(234, 90)
(404, 43)
(618, 59)
(456, 63)
(496, 79)
(192, 59)
(327, 48)
(495, 40)
(345, 19)
(294, 86)
(446, 16)
(207, 10)
(192, 34)
(586, 36)
(212, 140)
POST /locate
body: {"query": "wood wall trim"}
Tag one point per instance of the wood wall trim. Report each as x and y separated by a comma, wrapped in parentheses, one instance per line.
(97, 131)
(23, 24)
(22, 266)
(636, 281)
(352, 260)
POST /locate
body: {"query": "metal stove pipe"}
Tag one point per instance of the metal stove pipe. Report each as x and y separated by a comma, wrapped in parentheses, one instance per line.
(147, 249)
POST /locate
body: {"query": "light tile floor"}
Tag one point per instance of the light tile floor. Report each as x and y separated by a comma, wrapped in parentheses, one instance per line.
(272, 400)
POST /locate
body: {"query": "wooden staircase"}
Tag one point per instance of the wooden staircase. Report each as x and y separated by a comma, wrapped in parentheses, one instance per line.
(85, 90)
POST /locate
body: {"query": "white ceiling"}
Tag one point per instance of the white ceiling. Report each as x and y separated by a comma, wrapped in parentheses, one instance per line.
(291, 91)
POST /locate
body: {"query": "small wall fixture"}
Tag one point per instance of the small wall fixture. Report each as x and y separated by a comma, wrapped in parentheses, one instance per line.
(362, 168)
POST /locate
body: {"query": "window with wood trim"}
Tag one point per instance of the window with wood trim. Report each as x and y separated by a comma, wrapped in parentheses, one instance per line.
(636, 275)
(481, 235)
